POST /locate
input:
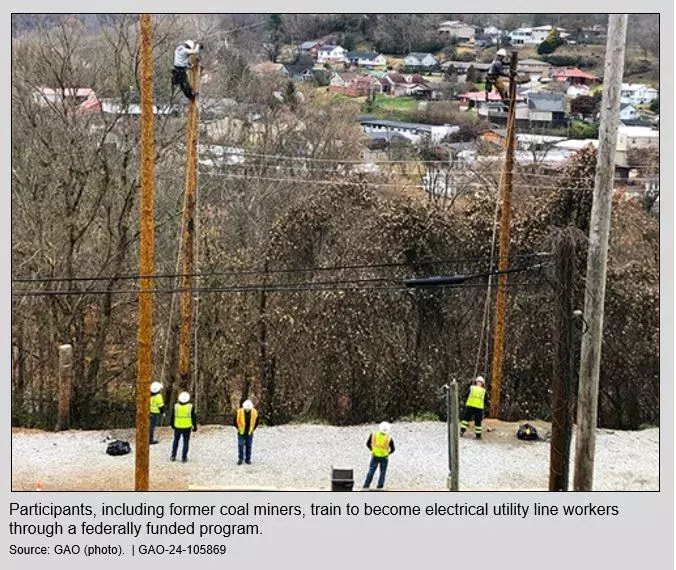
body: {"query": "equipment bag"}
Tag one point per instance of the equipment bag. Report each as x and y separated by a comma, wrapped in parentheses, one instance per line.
(118, 447)
(527, 432)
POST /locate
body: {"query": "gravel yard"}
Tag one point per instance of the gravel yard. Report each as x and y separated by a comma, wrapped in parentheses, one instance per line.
(301, 456)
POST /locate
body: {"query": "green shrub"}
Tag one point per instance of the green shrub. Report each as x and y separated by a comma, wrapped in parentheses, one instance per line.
(420, 417)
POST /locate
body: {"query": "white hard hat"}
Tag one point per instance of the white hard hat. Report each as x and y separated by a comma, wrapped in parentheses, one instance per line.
(191, 44)
(502, 52)
(480, 379)
(184, 397)
(155, 387)
(247, 405)
(384, 427)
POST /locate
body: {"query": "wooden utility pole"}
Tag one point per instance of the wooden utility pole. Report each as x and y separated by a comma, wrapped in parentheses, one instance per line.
(144, 364)
(65, 383)
(564, 363)
(505, 221)
(453, 435)
(597, 255)
(188, 241)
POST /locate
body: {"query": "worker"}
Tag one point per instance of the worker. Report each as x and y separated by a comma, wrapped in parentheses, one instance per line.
(179, 75)
(156, 409)
(183, 420)
(245, 422)
(498, 76)
(381, 445)
(474, 407)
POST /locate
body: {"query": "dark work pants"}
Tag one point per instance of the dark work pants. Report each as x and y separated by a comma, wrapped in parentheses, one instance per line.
(375, 463)
(179, 77)
(154, 422)
(470, 414)
(178, 434)
(244, 444)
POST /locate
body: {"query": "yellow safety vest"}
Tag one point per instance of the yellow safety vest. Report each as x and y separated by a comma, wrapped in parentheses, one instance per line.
(476, 397)
(156, 402)
(380, 444)
(241, 422)
(182, 416)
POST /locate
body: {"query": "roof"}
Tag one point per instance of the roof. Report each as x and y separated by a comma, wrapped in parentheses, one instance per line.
(296, 68)
(548, 102)
(636, 87)
(397, 124)
(365, 79)
(361, 55)
(454, 24)
(571, 72)
(480, 96)
(329, 47)
(534, 62)
(419, 55)
(309, 45)
(643, 132)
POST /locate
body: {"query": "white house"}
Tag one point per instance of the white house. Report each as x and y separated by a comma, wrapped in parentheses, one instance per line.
(331, 54)
(415, 132)
(492, 32)
(425, 60)
(532, 36)
(637, 93)
(365, 59)
(628, 112)
(456, 29)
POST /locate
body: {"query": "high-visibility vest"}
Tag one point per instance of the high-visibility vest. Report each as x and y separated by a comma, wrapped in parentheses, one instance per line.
(241, 422)
(156, 402)
(380, 444)
(476, 397)
(182, 416)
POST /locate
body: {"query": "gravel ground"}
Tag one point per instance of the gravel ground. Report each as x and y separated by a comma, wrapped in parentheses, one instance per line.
(301, 457)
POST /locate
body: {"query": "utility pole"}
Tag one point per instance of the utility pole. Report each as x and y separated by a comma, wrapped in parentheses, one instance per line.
(188, 240)
(564, 363)
(452, 424)
(144, 366)
(65, 383)
(505, 221)
(597, 255)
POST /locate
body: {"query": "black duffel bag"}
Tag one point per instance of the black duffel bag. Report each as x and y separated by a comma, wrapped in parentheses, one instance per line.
(118, 447)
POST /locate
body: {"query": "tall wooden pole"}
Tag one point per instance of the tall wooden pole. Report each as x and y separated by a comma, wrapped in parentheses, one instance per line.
(65, 383)
(563, 364)
(597, 255)
(505, 221)
(453, 437)
(188, 241)
(144, 364)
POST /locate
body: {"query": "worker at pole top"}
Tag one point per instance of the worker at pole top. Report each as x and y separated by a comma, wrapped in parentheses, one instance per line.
(474, 407)
(179, 75)
(156, 409)
(381, 445)
(183, 420)
(498, 75)
(245, 422)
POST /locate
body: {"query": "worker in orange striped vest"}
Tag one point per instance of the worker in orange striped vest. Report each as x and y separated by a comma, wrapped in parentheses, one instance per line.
(474, 407)
(381, 445)
(245, 422)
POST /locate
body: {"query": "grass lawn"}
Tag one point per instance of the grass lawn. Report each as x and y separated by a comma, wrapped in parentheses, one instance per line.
(387, 103)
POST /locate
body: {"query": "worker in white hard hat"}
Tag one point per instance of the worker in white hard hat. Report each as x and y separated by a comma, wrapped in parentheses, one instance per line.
(179, 75)
(381, 444)
(183, 420)
(498, 75)
(474, 407)
(156, 409)
(246, 420)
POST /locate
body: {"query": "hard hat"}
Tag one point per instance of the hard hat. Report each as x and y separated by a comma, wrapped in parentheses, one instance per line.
(247, 405)
(155, 387)
(480, 379)
(384, 427)
(184, 397)
(191, 44)
(501, 52)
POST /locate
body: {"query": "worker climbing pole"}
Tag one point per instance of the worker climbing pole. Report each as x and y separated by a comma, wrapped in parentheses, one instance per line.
(505, 221)
(188, 228)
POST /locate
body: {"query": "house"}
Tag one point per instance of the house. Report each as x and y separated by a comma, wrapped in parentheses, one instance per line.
(415, 132)
(454, 29)
(341, 79)
(68, 95)
(310, 48)
(637, 93)
(483, 41)
(534, 67)
(547, 108)
(297, 72)
(405, 84)
(331, 54)
(574, 76)
(628, 112)
(493, 33)
(365, 59)
(532, 36)
(421, 60)
(355, 85)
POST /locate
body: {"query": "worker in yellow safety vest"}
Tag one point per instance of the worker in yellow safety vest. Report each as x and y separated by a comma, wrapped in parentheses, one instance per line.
(156, 409)
(245, 422)
(474, 407)
(183, 420)
(381, 445)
